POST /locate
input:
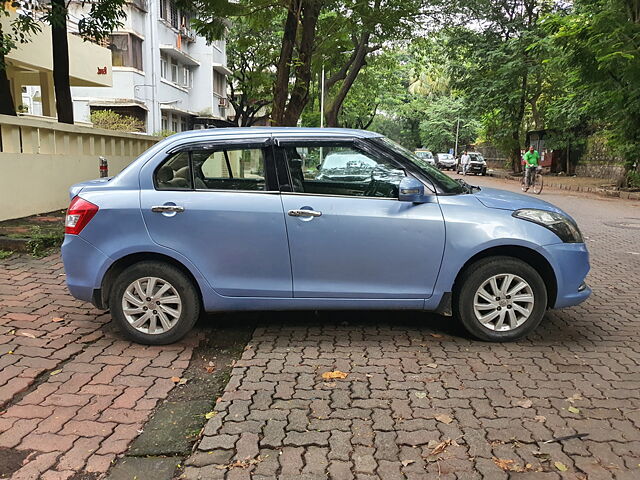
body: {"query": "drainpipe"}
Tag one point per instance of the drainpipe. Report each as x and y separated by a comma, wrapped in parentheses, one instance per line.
(154, 80)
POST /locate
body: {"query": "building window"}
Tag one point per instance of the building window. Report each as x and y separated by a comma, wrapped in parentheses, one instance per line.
(219, 84)
(126, 50)
(174, 125)
(174, 71)
(165, 123)
(183, 125)
(163, 66)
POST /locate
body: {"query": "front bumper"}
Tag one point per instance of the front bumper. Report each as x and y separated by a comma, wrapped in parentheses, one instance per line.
(570, 262)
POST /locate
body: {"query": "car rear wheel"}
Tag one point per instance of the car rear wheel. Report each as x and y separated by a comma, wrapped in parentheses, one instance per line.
(500, 299)
(154, 303)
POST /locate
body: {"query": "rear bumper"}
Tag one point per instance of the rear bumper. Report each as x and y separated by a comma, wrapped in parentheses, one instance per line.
(82, 264)
(570, 262)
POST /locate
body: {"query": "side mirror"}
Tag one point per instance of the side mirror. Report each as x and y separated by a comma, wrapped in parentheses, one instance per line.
(411, 190)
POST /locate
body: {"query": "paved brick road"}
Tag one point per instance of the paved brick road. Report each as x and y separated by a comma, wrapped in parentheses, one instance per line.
(416, 381)
(280, 418)
(77, 393)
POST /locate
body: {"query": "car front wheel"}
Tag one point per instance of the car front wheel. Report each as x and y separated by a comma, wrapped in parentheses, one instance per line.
(154, 303)
(500, 299)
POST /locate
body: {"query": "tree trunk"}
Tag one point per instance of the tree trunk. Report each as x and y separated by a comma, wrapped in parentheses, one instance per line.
(300, 92)
(283, 69)
(64, 102)
(515, 154)
(6, 102)
(358, 62)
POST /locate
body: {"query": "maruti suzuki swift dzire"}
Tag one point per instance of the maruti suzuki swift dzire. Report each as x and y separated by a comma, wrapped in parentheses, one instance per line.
(302, 218)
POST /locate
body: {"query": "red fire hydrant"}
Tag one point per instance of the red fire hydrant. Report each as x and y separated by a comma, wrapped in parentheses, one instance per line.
(104, 167)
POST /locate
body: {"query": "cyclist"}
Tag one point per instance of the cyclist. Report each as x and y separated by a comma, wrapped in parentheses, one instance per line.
(531, 163)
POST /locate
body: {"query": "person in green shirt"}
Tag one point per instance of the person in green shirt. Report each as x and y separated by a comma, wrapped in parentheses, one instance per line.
(531, 162)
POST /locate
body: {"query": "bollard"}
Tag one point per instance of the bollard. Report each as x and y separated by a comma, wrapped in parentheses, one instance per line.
(104, 167)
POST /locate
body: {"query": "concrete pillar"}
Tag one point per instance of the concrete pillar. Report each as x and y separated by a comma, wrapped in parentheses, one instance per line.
(47, 94)
(16, 91)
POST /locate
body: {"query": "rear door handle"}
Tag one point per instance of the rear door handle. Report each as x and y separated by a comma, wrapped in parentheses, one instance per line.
(167, 208)
(304, 213)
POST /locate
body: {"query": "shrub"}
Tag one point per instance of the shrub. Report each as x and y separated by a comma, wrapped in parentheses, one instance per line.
(110, 120)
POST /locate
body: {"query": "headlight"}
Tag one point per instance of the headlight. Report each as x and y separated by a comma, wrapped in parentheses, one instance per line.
(562, 226)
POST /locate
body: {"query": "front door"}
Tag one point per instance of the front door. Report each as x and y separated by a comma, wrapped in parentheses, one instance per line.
(217, 208)
(349, 235)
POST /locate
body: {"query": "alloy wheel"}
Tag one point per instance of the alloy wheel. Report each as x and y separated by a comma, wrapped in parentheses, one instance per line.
(503, 302)
(151, 305)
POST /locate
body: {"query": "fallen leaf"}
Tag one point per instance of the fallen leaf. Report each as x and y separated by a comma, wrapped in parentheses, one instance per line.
(540, 418)
(241, 463)
(210, 369)
(508, 465)
(27, 334)
(444, 418)
(435, 335)
(248, 347)
(407, 462)
(441, 447)
(574, 397)
(574, 410)
(432, 365)
(330, 384)
(55, 372)
(524, 403)
(539, 454)
(209, 415)
(334, 374)
(12, 332)
(183, 381)
(560, 466)
(57, 319)
(175, 379)
(420, 394)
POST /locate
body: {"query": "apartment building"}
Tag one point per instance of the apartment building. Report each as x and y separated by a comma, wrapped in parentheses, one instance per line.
(163, 73)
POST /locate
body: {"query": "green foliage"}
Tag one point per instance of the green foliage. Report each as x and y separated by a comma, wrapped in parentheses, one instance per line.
(110, 120)
(633, 179)
(41, 242)
(438, 129)
(164, 133)
(5, 254)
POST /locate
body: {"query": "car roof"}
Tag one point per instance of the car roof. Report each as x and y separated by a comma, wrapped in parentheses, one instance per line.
(275, 132)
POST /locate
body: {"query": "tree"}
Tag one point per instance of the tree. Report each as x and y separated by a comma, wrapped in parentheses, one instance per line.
(361, 28)
(438, 129)
(19, 31)
(600, 45)
(252, 48)
(103, 17)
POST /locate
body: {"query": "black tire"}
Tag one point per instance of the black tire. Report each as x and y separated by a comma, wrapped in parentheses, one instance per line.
(480, 272)
(182, 285)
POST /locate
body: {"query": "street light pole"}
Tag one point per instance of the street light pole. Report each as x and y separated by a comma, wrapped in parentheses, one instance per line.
(455, 152)
(322, 99)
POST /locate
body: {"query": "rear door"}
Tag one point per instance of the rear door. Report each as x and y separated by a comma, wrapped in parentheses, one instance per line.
(219, 206)
(349, 235)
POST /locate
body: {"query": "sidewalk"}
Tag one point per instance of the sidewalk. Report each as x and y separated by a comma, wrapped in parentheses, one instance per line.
(597, 186)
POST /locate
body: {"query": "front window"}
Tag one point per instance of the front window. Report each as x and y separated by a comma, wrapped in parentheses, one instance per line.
(442, 180)
(339, 169)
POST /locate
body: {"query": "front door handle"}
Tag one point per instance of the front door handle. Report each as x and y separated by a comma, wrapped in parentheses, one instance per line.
(167, 209)
(304, 213)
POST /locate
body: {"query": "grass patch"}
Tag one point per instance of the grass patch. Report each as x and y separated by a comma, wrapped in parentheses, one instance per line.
(41, 241)
(5, 254)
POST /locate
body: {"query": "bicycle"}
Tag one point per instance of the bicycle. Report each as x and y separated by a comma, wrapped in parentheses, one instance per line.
(537, 183)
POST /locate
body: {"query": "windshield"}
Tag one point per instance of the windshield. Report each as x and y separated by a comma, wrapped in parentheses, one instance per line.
(476, 157)
(424, 154)
(445, 156)
(444, 181)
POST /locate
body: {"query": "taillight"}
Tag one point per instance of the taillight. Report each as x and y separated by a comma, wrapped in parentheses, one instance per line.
(80, 212)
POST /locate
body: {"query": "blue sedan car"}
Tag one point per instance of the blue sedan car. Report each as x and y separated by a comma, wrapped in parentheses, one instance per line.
(246, 219)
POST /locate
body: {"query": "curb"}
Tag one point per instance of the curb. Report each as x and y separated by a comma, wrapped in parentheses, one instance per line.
(603, 192)
(14, 244)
